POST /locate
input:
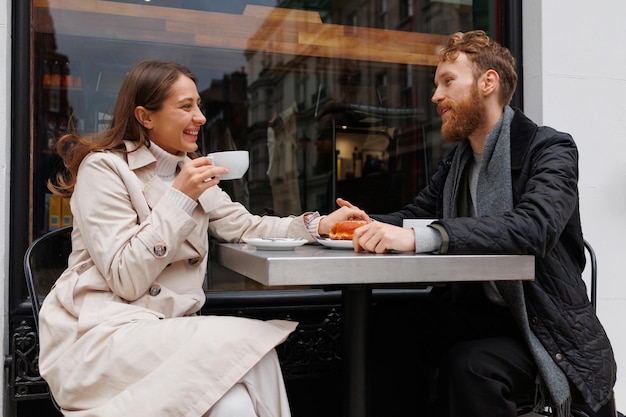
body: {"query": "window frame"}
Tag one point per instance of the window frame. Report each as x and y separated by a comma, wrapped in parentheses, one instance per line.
(508, 29)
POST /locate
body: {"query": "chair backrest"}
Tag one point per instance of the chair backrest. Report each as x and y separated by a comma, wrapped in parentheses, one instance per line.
(44, 260)
(593, 264)
(593, 261)
(526, 410)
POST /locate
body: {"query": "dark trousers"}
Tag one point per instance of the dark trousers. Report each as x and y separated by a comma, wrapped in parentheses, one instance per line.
(484, 366)
(485, 377)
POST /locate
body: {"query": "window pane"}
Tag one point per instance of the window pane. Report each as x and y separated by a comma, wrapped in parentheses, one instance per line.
(331, 98)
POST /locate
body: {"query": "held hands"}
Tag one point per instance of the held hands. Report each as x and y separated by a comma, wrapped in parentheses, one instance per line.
(374, 236)
(196, 176)
(346, 211)
(382, 238)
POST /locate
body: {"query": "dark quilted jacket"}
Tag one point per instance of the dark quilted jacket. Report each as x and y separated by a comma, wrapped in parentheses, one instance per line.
(545, 222)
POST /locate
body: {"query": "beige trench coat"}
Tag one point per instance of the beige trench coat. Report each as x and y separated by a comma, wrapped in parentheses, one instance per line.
(118, 335)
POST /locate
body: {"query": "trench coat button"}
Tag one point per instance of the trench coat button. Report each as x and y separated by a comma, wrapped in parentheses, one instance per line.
(193, 261)
(160, 249)
(534, 320)
(558, 357)
(154, 290)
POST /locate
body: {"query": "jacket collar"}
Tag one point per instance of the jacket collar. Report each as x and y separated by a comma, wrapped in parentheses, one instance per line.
(522, 133)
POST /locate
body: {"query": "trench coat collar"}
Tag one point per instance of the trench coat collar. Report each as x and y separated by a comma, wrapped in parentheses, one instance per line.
(141, 161)
(139, 156)
(153, 186)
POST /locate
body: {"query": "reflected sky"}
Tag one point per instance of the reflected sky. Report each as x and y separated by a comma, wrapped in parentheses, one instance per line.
(230, 6)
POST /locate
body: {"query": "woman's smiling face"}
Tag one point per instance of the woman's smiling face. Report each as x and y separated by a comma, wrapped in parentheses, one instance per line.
(176, 125)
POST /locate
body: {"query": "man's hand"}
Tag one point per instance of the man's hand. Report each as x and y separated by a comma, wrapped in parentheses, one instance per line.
(380, 237)
(346, 211)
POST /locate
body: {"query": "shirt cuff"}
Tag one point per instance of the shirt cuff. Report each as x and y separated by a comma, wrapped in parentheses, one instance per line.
(427, 239)
(312, 222)
(182, 200)
(445, 238)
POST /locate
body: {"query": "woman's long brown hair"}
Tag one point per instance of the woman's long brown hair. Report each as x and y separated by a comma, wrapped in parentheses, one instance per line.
(147, 84)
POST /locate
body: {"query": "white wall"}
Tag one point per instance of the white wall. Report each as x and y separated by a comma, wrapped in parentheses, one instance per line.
(575, 81)
(5, 117)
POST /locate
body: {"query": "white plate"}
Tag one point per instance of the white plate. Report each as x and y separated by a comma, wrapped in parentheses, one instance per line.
(337, 244)
(274, 243)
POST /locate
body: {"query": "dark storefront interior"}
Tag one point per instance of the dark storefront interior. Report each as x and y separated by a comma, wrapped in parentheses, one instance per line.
(342, 87)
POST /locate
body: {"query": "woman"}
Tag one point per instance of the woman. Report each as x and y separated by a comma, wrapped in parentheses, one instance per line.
(118, 332)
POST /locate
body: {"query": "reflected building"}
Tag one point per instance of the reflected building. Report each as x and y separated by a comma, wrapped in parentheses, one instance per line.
(353, 82)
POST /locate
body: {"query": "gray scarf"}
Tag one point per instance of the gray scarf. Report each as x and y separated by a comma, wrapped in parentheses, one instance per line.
(494, 196)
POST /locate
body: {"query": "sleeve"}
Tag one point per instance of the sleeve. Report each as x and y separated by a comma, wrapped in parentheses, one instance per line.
(230, 221)
(546, 198)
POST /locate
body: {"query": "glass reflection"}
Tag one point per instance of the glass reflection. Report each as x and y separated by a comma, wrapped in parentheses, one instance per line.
(331, 98)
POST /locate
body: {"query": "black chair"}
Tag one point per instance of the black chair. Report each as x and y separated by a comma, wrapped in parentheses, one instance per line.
(580, 411)
(593, 264)
(44, 260)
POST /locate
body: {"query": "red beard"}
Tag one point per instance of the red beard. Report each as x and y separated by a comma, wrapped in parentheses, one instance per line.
(463, 117)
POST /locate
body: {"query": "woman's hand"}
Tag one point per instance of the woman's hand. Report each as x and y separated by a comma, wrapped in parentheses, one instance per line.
(196, 176)
(381, 237)
(346, 211)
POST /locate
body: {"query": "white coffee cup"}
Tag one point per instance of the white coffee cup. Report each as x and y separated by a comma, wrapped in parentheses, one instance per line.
(237, 163)
(416, 223)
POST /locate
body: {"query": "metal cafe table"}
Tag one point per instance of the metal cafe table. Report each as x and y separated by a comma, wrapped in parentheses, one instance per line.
(356, 274)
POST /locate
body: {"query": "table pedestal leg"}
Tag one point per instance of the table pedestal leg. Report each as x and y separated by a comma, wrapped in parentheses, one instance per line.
(356, 306)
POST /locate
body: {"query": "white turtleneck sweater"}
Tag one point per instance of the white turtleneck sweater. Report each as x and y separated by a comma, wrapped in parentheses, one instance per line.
(167, 170)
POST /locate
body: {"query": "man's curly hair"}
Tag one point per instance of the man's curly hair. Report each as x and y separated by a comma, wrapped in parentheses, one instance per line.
(485, 54)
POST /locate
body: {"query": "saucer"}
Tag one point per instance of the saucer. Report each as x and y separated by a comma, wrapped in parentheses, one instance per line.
(274, 243)
(336, 244)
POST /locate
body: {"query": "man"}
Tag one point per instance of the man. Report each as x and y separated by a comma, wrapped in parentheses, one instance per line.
(507, 186)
